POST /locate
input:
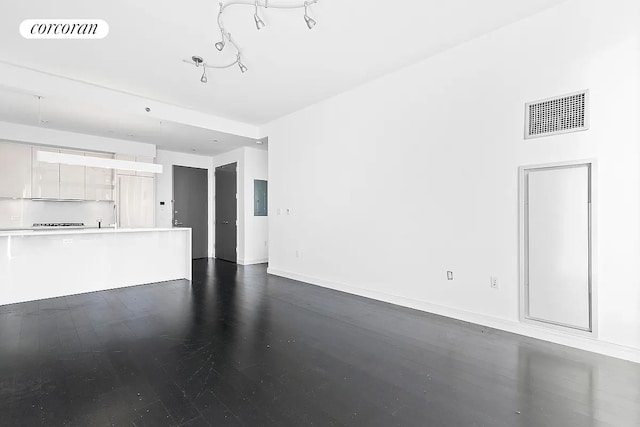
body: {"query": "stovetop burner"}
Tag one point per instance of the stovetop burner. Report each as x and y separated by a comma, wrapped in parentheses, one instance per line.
(59, 224)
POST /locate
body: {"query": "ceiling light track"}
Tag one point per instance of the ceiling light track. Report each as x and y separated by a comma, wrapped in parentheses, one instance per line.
(225, 36)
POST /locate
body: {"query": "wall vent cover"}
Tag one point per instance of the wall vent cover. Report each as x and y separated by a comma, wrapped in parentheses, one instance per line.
(553, 116)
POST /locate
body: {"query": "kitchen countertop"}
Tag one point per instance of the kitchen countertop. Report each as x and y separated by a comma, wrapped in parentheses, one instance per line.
(49, 232)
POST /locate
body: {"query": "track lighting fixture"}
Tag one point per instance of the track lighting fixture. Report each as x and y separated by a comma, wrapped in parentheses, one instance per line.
(221, 43)
(226, 37)
(309, 20)
(259, 22)
(243, 67)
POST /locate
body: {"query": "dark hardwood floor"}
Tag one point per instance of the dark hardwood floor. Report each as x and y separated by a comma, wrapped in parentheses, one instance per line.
(238, 347)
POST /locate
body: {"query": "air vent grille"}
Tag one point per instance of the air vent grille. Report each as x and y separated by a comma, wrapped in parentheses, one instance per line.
(568, 113)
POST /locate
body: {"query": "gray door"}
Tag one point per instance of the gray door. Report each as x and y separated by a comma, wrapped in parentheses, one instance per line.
(226, 212)
(190, 206)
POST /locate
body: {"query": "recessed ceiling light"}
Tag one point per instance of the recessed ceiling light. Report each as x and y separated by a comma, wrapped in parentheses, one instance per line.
(44, 121)
(147, 109)
(130, 134)
(193, 149)
(215, 141)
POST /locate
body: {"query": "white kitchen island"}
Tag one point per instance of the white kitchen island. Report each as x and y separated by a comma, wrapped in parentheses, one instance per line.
(38, 264)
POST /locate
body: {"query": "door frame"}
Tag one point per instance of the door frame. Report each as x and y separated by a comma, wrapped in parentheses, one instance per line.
(238, 213)
(523, 246)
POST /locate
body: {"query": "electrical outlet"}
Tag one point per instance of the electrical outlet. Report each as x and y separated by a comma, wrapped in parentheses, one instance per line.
(494, 282)
(288, 211)
(279, 211)
(297, 253)
(449, 275)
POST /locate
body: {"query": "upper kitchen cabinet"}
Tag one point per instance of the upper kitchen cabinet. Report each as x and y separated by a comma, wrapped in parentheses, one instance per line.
(15, 170)
(72, 177)
(45, 177)
(99, 181)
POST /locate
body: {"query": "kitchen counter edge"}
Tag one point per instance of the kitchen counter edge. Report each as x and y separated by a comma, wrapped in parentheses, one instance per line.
(87, 231)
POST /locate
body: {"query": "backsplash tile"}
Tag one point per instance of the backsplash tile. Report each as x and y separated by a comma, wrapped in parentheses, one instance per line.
(23, 213)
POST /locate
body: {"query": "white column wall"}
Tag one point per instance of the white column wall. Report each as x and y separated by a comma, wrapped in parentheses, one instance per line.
(256, 227)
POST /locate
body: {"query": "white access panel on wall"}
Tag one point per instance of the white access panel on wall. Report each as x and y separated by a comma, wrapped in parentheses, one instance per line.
(556, 230)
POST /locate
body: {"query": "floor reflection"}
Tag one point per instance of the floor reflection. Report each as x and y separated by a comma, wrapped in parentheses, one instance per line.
(238, 347)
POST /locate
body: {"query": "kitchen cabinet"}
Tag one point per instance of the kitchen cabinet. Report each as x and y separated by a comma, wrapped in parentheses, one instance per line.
(45, 177)
(23, 176)
(15, 170)
(99, 181)
(136, 201)
(72, 177)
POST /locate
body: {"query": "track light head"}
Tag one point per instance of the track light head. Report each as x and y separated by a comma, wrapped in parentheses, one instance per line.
(259, 22)
(197, 60)
(220, 45)
(204, 79)
(310, 21)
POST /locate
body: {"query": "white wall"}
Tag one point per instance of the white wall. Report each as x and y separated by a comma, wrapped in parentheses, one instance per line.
(256, 227)
(164, 187)
(399, 180)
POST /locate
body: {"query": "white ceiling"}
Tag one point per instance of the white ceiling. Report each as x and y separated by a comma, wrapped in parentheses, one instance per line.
(87, 118)
(290, 66)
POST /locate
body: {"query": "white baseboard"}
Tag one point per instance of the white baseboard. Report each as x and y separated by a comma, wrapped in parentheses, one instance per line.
(253, 261)
(533, 331)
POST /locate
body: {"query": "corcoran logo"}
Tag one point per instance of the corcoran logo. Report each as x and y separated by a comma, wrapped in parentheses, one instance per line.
(64, 29)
